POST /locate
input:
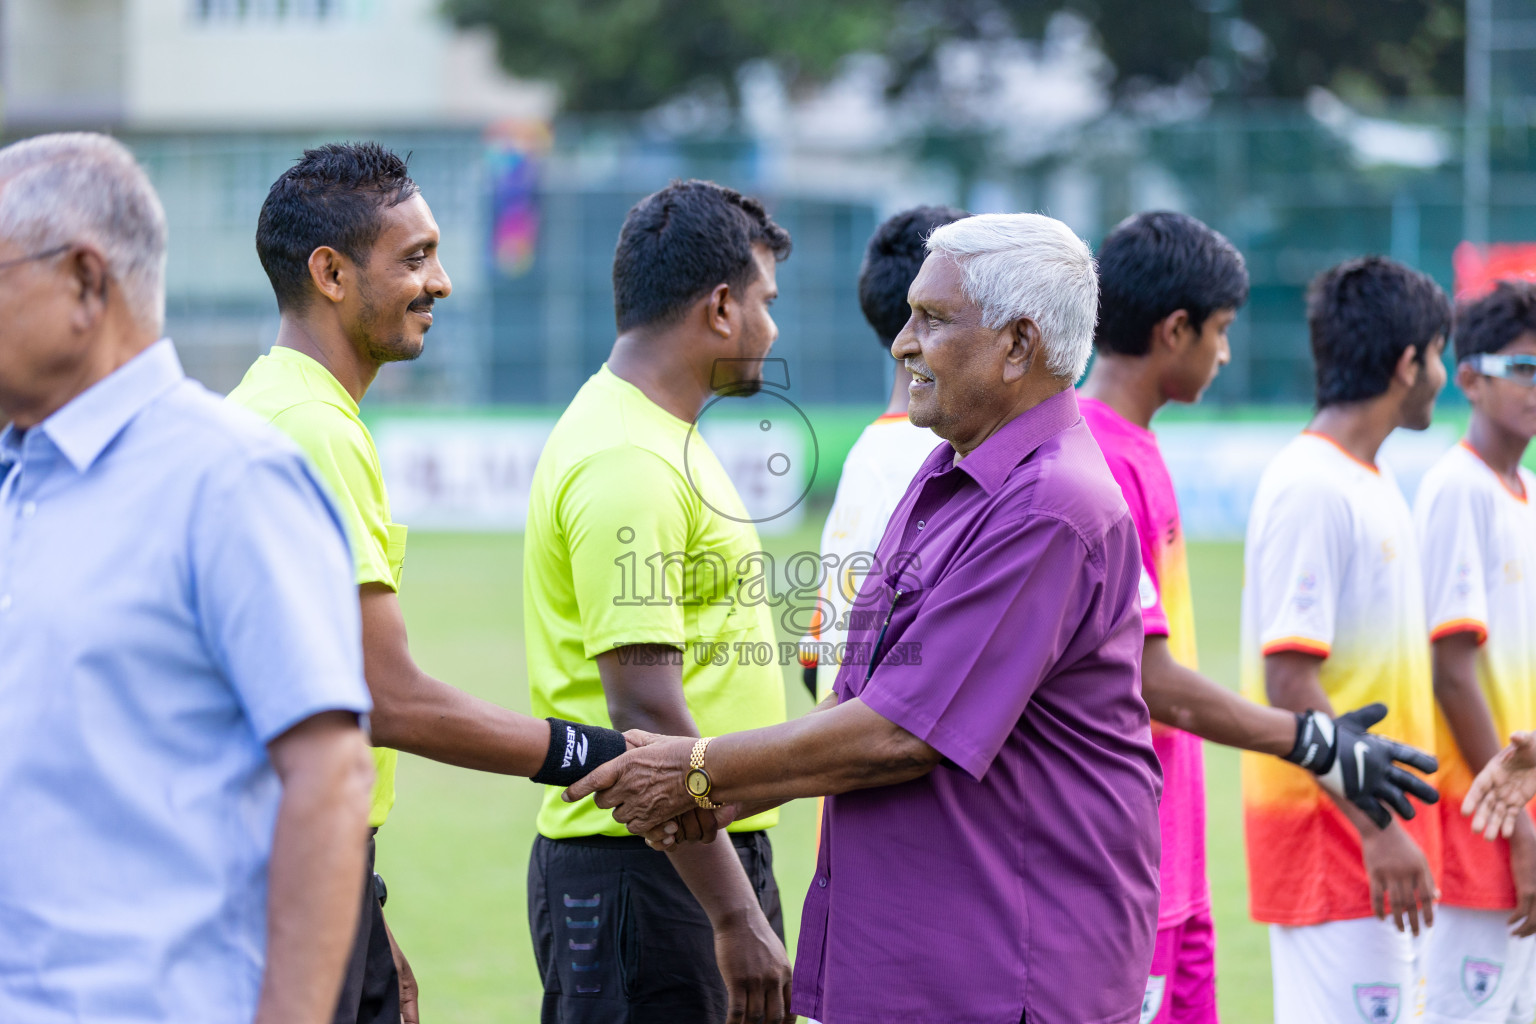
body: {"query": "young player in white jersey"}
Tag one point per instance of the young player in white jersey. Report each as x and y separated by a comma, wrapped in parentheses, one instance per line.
(1333, 616)
(1169, 287)
(1477, 532)
(887, 454)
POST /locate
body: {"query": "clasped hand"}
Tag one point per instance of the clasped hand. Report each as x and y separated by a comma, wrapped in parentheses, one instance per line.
(645, 791)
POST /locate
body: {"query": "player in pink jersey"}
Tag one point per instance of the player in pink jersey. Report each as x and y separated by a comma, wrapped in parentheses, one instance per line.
(1169, 287)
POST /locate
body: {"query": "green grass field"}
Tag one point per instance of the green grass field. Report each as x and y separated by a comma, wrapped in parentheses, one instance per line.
(455, 849)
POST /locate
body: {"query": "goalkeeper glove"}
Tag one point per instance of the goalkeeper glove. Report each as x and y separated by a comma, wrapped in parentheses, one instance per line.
(1351, 762)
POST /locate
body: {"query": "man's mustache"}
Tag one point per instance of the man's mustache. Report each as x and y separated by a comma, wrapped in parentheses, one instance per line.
(423, 305)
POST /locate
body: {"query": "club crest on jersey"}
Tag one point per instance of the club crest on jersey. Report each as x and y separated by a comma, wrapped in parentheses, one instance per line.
(1378, 1004)
(1152, 1001)
(1480, 979)
(1304, 599)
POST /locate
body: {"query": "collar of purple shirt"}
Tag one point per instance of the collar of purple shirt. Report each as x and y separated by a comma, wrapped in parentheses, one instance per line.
(990, 462)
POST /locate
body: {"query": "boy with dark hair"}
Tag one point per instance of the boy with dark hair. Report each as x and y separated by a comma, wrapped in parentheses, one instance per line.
(887, 453)
(623, 932)
(350, 247)
(1169, 288)
(1333, 614)
(1477, 531)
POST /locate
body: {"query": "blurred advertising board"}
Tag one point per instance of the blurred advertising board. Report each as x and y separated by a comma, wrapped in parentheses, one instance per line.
(1480, 267)
(474, 473)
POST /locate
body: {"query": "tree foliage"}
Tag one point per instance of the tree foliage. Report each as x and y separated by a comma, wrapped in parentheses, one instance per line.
(626, 55)
(1365, 47)
(617, 55)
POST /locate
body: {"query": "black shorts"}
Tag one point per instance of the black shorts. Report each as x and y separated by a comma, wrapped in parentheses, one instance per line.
(619, 938)
(370, 990)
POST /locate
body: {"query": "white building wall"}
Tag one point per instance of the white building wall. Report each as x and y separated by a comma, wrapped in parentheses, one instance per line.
(220, 64)
(62, 61)
(251, 65)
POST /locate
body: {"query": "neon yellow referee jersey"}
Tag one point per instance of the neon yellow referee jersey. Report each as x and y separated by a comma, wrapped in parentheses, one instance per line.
(301, 398)
(636, 535)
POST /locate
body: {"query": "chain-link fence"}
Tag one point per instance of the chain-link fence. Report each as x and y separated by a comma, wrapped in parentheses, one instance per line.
(1296, 188)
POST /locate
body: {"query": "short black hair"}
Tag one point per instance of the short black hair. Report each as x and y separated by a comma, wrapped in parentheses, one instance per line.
(891, 260)
(1362, 315)
(680, 243)
(1155, 263)
(1495, 320)
(332, 196)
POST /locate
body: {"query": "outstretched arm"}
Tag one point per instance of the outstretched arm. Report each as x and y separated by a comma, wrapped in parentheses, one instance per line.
(835, 750)
(421, 715)
(679, 829)
(1309, 737)
(1185, 699)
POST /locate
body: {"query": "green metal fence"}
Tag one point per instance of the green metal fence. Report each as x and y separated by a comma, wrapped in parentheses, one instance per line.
(1296, 188)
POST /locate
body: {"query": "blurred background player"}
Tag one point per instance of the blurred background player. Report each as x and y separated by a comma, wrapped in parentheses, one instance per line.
(1477, 533)
(887, 454)
(1169, 288)
(1333, 614)
(350, 247)
(621, 932)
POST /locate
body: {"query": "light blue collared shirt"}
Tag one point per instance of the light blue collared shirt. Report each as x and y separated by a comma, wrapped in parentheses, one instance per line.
(175, 592)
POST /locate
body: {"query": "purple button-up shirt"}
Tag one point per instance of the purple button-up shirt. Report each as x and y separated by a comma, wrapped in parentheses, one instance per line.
(1020, 876)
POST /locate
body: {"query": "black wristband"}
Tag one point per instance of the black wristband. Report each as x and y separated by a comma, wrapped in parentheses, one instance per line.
(575, 749)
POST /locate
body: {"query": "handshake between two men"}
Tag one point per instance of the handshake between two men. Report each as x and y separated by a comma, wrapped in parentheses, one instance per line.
(679, 790)
(673, 790)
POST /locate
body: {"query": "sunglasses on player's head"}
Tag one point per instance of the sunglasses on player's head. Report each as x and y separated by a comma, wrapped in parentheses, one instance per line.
(1519, 368)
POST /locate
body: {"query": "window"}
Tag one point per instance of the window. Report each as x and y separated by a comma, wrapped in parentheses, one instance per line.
(267, 10)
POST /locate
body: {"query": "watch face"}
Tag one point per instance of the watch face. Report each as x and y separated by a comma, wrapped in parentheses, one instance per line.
(698, 782)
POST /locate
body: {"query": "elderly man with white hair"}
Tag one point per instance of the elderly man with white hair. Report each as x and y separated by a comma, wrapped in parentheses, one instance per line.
(989, 851)
(183, 777)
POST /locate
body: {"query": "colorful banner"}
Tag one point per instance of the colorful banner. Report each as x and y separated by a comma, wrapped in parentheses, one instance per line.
(514, 151)
(473, 472)
(1480, 267)
(468, 473)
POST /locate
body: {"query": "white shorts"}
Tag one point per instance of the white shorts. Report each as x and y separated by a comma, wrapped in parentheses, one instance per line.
(1477, 972)
(1346, 972)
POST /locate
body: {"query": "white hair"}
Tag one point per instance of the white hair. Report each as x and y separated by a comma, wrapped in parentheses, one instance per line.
(1028, 265)
(77, 187)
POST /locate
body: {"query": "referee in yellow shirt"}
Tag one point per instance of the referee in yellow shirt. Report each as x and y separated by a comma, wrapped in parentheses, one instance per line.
(350, 247)
(635, 613)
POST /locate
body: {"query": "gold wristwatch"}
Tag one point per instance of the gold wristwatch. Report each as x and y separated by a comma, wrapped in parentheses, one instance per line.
(697, 780)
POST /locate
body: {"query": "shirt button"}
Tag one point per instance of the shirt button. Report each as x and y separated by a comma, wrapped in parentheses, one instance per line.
(921, 523)
(29, 510)
(821, 883)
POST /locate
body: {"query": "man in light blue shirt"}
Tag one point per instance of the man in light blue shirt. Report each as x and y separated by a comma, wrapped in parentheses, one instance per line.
(183, 779)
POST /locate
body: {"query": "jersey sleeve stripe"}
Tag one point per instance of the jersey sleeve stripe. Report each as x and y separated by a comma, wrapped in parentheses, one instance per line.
(1454, 626)
(1301, 644)
(809, 656)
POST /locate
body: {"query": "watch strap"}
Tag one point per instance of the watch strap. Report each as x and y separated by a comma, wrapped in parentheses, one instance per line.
(696, 763)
